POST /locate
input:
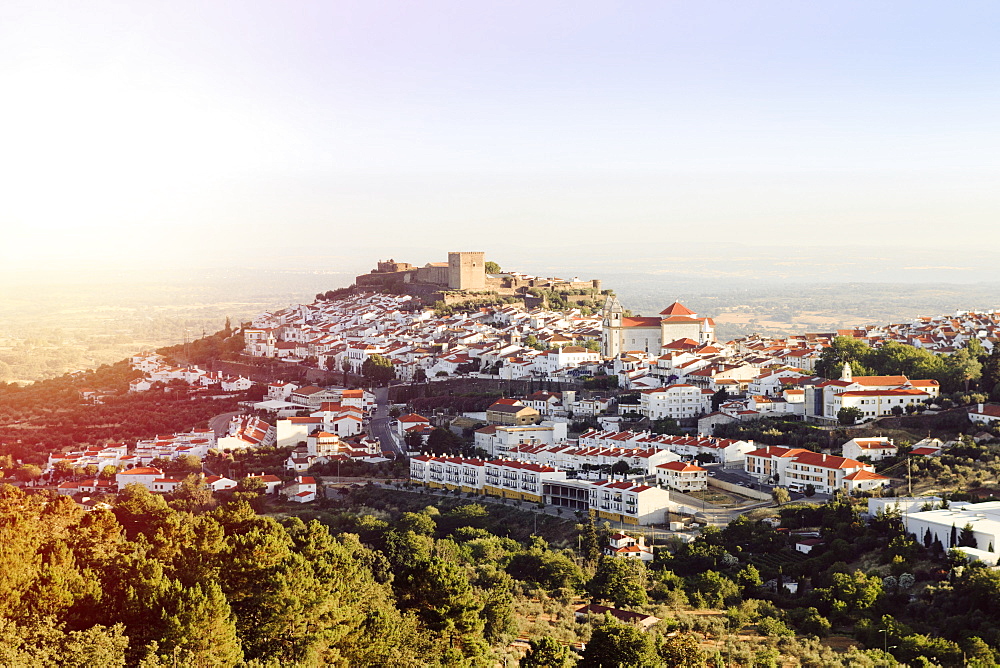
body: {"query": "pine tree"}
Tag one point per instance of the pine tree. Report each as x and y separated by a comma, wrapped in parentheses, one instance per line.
(590, 547)
(198, 623)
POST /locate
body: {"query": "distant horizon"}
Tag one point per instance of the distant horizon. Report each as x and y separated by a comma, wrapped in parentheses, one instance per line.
(710, 266)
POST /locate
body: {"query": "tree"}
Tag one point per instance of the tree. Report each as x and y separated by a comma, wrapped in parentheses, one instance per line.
(720, 397)
(617, 645)
(682, 651)
(532, 342)
(962, 368)
(843, 349)
(968, 537)
(621, 581)
(439, 593)
(546, 652)
(810, 490)
(492, 267)
(851, 593)
(780, 495)
(63, 468)
(413, 440)
(27, 473)
(990, 379)
(418, 523)
(192, 494)
(378, 369)
(443, 442)
(109, 472)
(849, 416)
(590, 547)
(198, 623)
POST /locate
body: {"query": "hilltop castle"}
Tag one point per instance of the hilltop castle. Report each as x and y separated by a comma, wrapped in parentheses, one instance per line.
(462, 271)
(461, 277)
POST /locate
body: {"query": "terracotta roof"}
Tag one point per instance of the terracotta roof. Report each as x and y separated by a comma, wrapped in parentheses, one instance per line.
(677, 309)
(640, 322)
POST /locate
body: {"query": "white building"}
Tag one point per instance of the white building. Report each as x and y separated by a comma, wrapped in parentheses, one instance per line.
(985, 414)
(681, 476)
(629, 503)
(946, 525)
(143, 475)
(625, 546)
(677, 401)
(498, 440)
(875, 448)
(796, 468)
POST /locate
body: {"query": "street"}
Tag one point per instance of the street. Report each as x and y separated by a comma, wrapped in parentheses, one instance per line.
(379, 426)
(220, 423)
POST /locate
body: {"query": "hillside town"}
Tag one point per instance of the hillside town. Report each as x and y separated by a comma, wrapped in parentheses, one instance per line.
(647, 430)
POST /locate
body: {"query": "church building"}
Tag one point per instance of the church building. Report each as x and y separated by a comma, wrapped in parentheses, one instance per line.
(622, 334)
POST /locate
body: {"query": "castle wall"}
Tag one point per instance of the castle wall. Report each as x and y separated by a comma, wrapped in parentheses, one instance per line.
(434, 273)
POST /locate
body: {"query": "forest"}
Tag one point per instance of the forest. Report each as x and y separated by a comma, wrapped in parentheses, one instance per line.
(392, 576)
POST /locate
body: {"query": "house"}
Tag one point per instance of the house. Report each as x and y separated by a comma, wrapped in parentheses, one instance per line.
(247, 431)
(623, 545)
(271, 482)
(518, 480)
(874, 396)
(876, 448)
(406, 422)
(300, 490)
(311, 396)
(927, 447)
(681, 476)
(452, 473)
(143, 475)
(796, 468)
(708, 423)
(806, 545)
(985, 414)
(678, 401)
(218, 483)
(512, 412)
(165, 485)
(499, 440)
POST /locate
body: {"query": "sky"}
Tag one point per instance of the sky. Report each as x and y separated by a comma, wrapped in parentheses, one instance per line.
(195, 133)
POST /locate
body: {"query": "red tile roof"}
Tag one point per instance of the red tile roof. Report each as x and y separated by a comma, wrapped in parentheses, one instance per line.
(677, 309)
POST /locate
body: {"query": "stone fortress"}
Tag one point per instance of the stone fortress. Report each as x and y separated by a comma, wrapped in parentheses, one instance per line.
(461, 278)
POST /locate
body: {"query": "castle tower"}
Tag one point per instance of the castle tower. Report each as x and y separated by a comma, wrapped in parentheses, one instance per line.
(611, 327)
(467, 271)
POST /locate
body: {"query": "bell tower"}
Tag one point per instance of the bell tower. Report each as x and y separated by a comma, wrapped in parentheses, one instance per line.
(845, 373)
(611, 327)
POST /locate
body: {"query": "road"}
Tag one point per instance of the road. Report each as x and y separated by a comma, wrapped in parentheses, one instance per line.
(220, 423)
(379, 426)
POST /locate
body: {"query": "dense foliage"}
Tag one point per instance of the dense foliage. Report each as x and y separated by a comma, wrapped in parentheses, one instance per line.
(967, 368)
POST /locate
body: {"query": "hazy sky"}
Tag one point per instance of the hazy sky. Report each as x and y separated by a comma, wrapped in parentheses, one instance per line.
(147, 133)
